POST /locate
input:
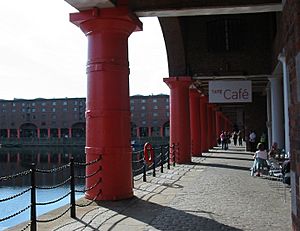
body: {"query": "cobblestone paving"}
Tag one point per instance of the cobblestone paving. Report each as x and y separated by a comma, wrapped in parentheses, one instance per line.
(215, 192)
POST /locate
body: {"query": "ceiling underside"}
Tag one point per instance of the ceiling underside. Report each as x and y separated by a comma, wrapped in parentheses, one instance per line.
(173, 8)
(168, 10)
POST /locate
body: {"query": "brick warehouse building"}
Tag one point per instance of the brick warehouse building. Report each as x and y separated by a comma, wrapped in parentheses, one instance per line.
(149, 116)
(65, 118)
(42, 118)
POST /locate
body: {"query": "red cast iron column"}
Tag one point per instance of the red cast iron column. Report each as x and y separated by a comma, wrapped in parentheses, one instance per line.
(209, 125)
(195, 122)
(107, 106)
(203, 123)
(180, 117)
(218, 123)
(213, 133)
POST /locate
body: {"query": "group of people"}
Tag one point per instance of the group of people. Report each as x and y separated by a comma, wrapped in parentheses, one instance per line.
(262, 159)
(225, 138)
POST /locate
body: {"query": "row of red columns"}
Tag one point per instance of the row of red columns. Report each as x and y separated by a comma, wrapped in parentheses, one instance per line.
(195, 124)
(108, 107)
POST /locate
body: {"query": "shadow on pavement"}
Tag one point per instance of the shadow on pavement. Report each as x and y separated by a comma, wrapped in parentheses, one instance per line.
(224, 166)
(160, 217)
(216, 151)
(229, 158)
(166, 218)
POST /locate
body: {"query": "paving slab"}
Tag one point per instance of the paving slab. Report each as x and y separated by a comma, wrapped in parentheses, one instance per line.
(215, 192)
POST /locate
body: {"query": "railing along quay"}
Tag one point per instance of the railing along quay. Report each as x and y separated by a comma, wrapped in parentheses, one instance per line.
(140, 166)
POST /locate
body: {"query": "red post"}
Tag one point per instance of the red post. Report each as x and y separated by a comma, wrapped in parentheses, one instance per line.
(213, 132)
(70, 132)
(8, 133)
(161, 131)
(195, 122)
(59, 133)
(218, 123)
(149, 131)
(209, 125)
(38, 133)
(180, 117)
(203, 123)
(18, 133)
(107, 104)
(49, 132)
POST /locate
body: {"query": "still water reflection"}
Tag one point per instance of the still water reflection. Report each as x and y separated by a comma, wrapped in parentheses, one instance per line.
(15, 160)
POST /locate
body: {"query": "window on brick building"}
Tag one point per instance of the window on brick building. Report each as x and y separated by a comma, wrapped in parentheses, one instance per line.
(154, 100)
(143, 108)
(155, 114)
(155, 107)
(143, 101)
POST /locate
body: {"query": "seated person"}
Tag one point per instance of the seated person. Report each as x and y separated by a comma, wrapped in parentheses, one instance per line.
(286, 172)
(260, 158)
(274, 151)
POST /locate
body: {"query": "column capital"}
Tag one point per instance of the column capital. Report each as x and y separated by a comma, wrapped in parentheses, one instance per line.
(178, 81)
(96, 19)
(203, 99)
(194, 93)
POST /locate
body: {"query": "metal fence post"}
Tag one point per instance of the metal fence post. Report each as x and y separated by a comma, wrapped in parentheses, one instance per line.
(33, 199)
(174, 154)
(168, 157)
(72, 188)
(144, 171)
(154, 165)
(161, 159)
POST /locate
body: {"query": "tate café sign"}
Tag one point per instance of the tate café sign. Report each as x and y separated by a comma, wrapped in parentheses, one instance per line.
(230, 91)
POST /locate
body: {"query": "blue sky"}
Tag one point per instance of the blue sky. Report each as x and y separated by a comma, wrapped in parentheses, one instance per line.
(41, 51)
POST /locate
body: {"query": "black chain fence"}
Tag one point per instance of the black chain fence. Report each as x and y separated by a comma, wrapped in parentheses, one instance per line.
(148, 159)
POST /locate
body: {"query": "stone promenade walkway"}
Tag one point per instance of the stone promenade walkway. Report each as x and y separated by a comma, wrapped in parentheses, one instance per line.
(215, 192)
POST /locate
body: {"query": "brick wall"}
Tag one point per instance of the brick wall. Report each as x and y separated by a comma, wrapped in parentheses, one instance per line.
(290, 39)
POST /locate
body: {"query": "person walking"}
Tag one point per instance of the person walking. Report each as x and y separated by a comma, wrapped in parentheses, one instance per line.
(252, 139)
(235, 138)
(240, 137)
(223, 140)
